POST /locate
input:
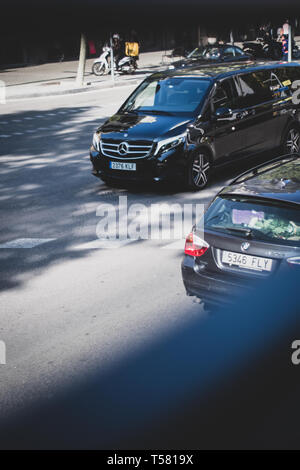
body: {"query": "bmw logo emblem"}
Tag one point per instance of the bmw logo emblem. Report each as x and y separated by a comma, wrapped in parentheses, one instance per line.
(245, 246)
(123, 148)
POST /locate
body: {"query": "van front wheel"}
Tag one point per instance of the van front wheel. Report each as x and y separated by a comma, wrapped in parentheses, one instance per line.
(199, 171)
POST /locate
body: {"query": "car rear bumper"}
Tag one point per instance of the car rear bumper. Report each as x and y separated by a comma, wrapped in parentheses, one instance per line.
(211, 288)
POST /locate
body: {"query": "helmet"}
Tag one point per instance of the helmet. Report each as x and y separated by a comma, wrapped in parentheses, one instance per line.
(116, 36)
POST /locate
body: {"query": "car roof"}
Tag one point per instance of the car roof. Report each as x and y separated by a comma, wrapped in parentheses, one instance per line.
(221, 45)
(219, 71)
(278, 179)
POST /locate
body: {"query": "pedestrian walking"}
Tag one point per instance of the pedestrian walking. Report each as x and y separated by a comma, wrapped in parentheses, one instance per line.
(285, 40)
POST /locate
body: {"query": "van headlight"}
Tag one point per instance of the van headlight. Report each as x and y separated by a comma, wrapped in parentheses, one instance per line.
(96, 141)
(168, 144)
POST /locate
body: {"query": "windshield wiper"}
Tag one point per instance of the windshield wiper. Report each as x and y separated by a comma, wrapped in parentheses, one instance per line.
(129, 111)
(247, 232)
(157, 111)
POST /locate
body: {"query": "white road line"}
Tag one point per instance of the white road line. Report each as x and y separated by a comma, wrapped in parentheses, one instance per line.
(25, 242)
(30, 131)
(113, 244)
(17, 133)
(4, 136)
(102, 244)
(42, 128)
(4, 122)
(16, 120)
(51, 114)
(28, 118)
(39, 116)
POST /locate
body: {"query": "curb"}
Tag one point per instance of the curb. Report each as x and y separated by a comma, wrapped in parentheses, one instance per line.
(89, 87)
(74, 90)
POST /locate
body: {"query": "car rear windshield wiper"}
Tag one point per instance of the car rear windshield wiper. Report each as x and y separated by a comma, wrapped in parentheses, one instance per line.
(246, 232)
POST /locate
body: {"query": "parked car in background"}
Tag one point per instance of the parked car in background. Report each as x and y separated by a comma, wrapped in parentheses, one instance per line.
(268, 48)
(250, 232)
(181, 124)
(216, 53)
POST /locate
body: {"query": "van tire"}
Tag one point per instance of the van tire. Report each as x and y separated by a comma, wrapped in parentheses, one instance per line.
(199, 170)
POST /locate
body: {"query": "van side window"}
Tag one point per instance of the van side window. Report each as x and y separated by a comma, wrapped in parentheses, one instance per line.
(255, 87)
(281, 84)
(292, 73)
(225, 95)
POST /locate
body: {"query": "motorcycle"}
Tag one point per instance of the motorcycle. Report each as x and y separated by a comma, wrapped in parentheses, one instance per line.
(267, 48)
(102, 65)
(127, 64)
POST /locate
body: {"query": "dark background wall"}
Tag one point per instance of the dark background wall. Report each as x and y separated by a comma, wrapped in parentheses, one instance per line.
(36, 31)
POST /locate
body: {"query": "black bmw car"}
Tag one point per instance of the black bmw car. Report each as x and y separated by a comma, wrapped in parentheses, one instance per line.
(216, 53)
(251, 231)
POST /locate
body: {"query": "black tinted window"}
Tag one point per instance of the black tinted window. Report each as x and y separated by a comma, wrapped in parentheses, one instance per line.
(281, 83)
(292, 73)
(225, 95)
(255, 87)
(265, 220)
(229, 52)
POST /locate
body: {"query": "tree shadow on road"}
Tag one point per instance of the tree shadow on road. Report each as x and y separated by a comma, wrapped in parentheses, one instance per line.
(47, 190)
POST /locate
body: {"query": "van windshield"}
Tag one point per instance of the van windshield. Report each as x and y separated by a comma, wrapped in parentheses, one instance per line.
(169, 95)
(257, 219)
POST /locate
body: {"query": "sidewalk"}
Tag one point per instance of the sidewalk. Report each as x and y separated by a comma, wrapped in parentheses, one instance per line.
(59, 77)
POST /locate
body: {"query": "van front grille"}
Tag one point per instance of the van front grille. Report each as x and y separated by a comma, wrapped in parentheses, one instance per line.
(125, 149)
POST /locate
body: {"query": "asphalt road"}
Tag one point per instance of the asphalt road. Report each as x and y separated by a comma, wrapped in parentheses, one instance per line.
(69, 306)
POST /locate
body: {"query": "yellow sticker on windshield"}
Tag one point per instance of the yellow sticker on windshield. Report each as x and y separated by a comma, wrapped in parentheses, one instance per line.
(286, 83)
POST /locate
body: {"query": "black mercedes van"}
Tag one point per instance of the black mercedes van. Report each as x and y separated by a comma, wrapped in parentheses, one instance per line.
(179, 124)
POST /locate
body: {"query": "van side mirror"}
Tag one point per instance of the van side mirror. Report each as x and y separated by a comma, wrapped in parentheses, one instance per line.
(223, 113)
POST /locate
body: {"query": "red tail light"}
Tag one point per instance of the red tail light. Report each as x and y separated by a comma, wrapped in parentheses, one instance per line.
(194, 246)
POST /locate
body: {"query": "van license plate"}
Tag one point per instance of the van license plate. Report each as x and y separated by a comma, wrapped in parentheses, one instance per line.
(247, 261)
(122, 166)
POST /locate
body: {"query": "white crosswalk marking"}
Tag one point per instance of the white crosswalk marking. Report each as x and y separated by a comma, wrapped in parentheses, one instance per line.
(113, 244)
(26, 242)
(105, 244)
(102, 244)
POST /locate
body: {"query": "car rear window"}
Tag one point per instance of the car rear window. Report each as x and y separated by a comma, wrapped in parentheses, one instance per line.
(254, 218)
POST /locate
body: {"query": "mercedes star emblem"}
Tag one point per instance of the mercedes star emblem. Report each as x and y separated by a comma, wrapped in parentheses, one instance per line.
(123, 148)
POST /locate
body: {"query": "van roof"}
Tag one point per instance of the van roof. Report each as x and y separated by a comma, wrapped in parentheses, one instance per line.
(222, 70)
